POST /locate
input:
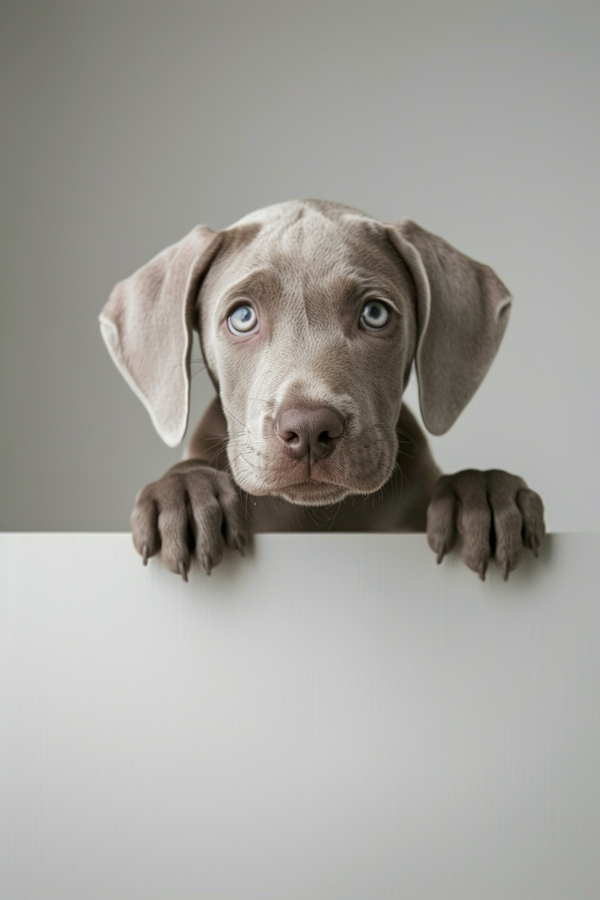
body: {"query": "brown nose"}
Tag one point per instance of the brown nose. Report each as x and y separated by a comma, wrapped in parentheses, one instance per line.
(309, 431)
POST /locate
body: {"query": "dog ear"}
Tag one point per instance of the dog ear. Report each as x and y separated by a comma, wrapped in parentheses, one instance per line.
(147, 327)
(462, 312)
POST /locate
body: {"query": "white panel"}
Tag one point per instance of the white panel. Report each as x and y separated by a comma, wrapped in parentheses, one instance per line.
(334, 717)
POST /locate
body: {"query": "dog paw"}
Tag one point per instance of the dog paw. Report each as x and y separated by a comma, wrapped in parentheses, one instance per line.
(192, 512)
(489, 515)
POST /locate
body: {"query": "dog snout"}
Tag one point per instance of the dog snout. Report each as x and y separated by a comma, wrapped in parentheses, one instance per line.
(309, 431)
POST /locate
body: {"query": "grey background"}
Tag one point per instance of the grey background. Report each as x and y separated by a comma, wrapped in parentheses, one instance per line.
(124, 124)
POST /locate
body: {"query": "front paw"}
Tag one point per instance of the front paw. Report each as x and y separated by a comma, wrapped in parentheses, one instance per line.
(489, 514)
(191, 512)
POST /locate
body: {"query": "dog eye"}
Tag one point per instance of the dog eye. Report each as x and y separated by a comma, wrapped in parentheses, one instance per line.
(374, 315)
(242, 320)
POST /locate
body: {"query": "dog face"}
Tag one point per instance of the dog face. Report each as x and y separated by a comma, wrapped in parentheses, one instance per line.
(310, 315)
(311, 382)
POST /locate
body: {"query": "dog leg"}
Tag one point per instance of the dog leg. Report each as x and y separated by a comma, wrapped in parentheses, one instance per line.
(192, 512)
(489, 515)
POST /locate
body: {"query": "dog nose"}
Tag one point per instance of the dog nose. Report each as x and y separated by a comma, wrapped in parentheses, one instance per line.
(309, 431)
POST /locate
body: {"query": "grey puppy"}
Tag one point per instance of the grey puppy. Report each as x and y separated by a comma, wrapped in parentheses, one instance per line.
(310, 316)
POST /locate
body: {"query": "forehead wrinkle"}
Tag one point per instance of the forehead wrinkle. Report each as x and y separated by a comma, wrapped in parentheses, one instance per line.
(258, 283)
(340, 291)
(309, 267)
(307, 252)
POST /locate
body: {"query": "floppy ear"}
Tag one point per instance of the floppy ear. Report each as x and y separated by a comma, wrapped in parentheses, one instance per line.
(462, 312)
(147, 327)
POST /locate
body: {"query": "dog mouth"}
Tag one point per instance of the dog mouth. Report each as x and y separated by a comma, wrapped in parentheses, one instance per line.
(313, 493)
(363, 470)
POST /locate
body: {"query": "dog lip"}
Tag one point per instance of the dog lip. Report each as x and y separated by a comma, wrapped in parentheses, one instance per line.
(313, 492)
(311, 487)
(312, 483)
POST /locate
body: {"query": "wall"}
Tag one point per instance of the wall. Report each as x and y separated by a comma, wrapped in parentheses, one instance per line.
(125, 123)
(333, 717)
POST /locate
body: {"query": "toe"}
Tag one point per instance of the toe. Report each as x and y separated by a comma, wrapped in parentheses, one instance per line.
(144, 528)
(441, 521)
(235, 531)
(175, 553)
(532, 511)
(474, 520)
(206, 517)
(475, 523)
(509, 544)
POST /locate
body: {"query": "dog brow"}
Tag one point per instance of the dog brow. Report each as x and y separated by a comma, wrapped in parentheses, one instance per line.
(358, 282)
(265, 281)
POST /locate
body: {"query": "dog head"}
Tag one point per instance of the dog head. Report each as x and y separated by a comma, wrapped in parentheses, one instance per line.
(310, 315)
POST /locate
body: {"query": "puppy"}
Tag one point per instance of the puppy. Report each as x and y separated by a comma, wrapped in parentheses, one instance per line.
(310, 316)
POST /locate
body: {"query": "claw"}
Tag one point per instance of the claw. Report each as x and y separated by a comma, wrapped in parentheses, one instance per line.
(145, 554)
(239, 542)
(482, 570)
(206, 564)
(505, 570)
(182, 570)
(534, 544)
(441, 555)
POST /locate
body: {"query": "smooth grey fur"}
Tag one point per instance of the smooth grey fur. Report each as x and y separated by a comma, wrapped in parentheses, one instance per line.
(307, 268)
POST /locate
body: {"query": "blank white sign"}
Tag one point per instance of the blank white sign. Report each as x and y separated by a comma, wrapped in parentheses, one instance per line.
(333, 717)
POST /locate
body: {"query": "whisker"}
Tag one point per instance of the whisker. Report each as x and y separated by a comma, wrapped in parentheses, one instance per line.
(247, 461)
(259, 399)
(236, 418)
(339, 506)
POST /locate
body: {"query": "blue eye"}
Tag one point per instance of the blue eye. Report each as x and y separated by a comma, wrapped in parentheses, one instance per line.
(243, 320)
(374, 315)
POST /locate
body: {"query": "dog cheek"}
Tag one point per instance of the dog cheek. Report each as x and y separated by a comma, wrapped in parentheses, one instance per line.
(249, 423)
(243, 470)
(377, 462)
